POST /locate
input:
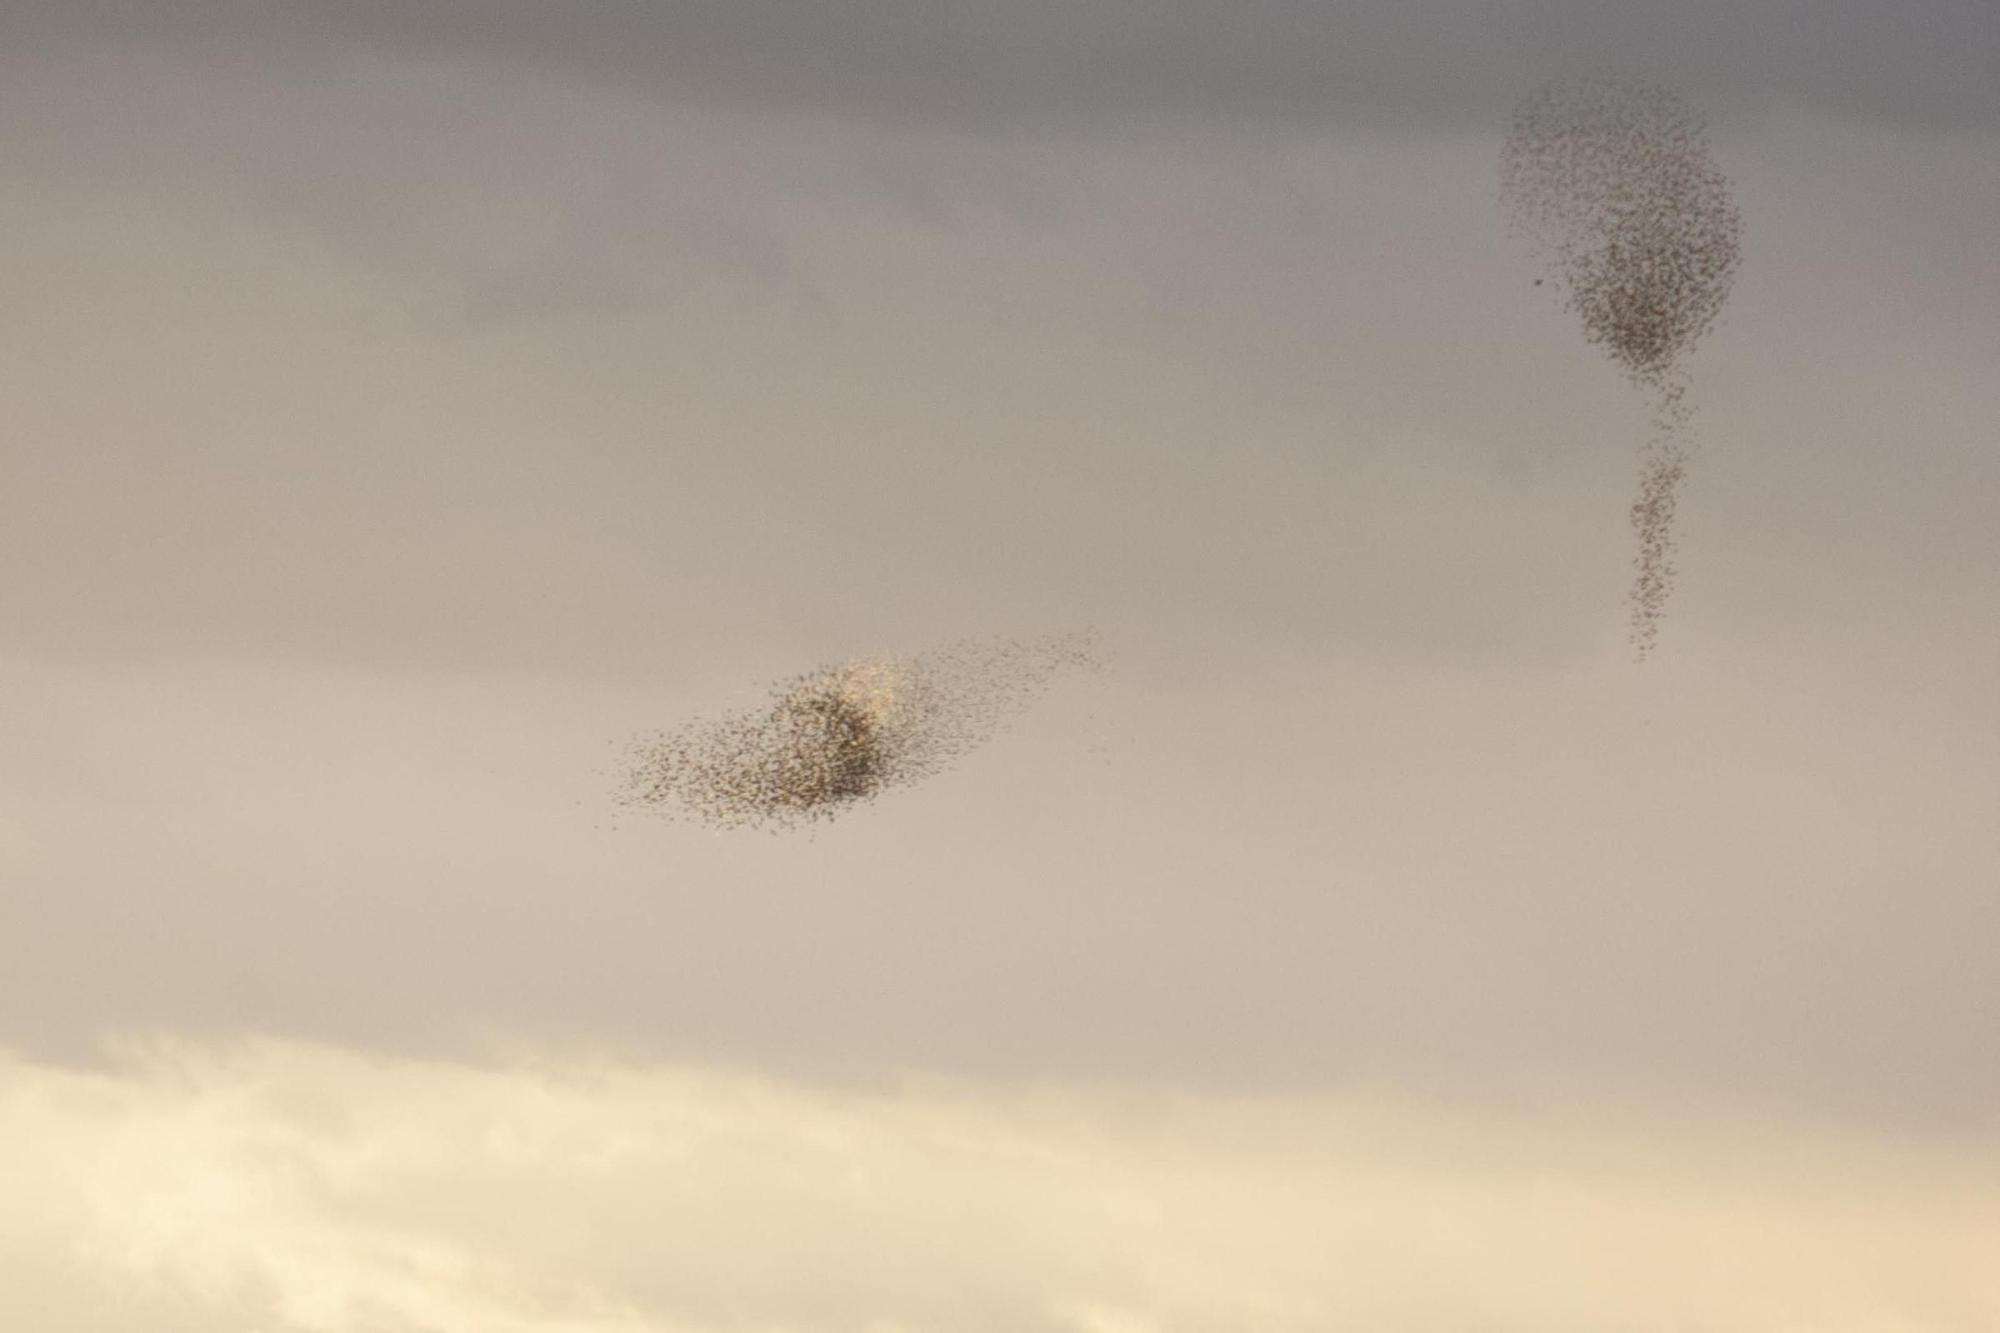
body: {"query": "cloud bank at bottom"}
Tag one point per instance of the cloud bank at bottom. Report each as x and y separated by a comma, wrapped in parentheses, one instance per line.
(293, 1188)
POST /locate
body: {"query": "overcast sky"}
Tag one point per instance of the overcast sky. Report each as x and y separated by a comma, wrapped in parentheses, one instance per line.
(410, 403)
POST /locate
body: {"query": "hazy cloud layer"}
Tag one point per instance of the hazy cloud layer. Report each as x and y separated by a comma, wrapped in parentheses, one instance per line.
(393, 440)
(298, 1189)
(1428, 63)
(1664, 888)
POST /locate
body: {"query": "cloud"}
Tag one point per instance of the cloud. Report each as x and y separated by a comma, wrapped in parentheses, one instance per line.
(306, 1189)
(1425, 62)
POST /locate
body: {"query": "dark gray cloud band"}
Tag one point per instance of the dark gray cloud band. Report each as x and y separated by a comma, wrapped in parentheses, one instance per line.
(1419, 63)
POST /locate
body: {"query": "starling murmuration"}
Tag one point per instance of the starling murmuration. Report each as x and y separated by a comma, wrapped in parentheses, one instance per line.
(1614, 185)
(837, 737)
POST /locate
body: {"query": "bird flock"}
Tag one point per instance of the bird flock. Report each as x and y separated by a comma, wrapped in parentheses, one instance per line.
(837, 737)
(1614, 187)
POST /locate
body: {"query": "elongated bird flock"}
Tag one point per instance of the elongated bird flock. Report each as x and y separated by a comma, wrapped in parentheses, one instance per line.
(1614, 185)
(837, 737)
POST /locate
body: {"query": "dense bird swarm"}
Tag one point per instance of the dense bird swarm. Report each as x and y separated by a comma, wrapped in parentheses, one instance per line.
(839, 736)
(1614, 185)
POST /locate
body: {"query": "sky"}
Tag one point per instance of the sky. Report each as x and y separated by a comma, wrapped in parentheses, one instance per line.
(413, 403)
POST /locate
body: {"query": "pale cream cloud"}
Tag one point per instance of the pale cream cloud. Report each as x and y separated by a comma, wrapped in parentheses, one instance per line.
(300, 1188)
